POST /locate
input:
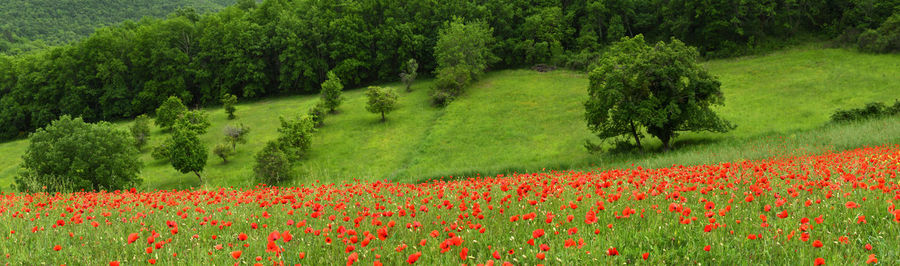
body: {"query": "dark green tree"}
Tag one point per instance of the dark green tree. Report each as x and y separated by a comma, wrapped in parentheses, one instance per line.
(462, 52)
(71, 155)
(331, 91)
(659, 88)
(168, 112)
(188, 154)
(228, 102)
(381, 100)
(196, 120)
(140, 131)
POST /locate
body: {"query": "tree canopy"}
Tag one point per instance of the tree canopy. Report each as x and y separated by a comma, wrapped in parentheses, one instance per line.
(381, 100)
(659, 89)
(71, 155)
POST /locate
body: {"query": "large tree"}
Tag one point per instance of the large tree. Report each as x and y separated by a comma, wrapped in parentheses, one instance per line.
(462, 52)
(381, 100)
(659, 88)
(70, 155)
(188, 155)
(169, 111)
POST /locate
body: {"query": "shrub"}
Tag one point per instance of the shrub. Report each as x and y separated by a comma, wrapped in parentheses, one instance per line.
(70, 155)
(381, 100)
(168, 112)
(236, 134)
(317, 113)
(163, 151)
(228, 102)
(871, 110)
(296, 136)
(331, 92)
(140, 131)
(223, 151)
(272, 164)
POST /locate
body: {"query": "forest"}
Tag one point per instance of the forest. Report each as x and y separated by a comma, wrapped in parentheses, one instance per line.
(35, 24)
(277, 47)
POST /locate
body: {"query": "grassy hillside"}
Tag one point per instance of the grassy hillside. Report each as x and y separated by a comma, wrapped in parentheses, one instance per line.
(524, 120)
(55, 22)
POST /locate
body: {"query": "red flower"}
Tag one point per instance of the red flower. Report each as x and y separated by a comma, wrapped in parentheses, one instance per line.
(540, 256)
(242, 236)
(496, 255)
(819, 261)
(57, 248)
(151, 261)
(707, 248)
(871, 259)
(413, 258)
(612, 252)
(817, 243)
(851, 205)
(868, 246)
(133, 237)
(236, 254)
(537, 233)
(463, 253)
(646, 255)
(114, 263)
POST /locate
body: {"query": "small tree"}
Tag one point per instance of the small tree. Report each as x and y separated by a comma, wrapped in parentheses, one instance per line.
(198, 121)
(140, 131)
(660, 88)
(163, 152)
(272, 164)
(381, 100)
(168, 112)
(317, 113)
(331, 91)
(70, 155)
(223, 151)
(408, 75)
(188, 153)
(228, 102)
(462, 52)
(296, 136)
(236, 134)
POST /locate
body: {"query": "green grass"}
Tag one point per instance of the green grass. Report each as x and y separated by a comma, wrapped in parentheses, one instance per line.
(520, 120)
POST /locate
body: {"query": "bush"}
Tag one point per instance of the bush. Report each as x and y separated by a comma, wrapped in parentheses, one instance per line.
(140, 131)
(317, 113)
(869, 42)
(163, 151)
(331, 92)
(886, 39)
(168, 112)
(236, 134)
(871, 110)
(71, 155)
(272, 164)
(296, 136)
(223, 151)
(228, 102)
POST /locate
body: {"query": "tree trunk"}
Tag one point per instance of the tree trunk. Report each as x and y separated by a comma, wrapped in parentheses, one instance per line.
(635, 134)
(234, 146)
(665, 141)
(198, 176)
(382, 117)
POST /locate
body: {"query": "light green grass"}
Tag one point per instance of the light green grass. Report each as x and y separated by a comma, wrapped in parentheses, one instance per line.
(520, 120)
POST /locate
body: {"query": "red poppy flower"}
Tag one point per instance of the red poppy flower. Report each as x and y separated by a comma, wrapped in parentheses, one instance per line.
(57, 248)
(413, 258)
(817, 243)
(612, 252)
(819, 261)
(540, 256)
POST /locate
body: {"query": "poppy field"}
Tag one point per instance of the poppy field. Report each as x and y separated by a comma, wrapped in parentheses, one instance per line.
(834, 208)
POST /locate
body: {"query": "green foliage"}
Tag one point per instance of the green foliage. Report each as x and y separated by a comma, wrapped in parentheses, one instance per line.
(381, 100)
(228, 102)
(140, 131)
(317, 113)
(331, 91)
(197, 121)
(236, 134)
(256, 50)
(71, 155)
(272, 164)
(188, 154)
(168, 112)
(660, 88)
(163, 151)
(886, 39)
(223, 151)
(871, 110)
(462, 54)
(408, 74)
(34, 24)
(295, 136)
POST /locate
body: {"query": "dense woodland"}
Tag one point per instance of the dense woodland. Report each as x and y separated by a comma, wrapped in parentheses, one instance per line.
(287, 47)
(32, 24)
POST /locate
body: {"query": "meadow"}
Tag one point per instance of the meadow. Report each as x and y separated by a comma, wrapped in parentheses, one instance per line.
(526, 121)
(830, 208)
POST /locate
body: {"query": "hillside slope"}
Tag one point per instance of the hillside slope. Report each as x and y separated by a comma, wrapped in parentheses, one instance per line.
(524, 120)
(57, 22)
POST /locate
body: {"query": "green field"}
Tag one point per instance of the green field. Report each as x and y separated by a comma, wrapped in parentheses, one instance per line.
(521, 120)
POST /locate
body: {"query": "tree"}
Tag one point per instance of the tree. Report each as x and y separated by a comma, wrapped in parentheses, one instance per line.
(296, 136)
(140, 131)
(188, 153)
(381, 100)
(408, 75)
(228, 102)
(223, 151)
(272, 164)
(463, 52)
(168, 112)
(163, 151)
(198, 121)
(236, 134)
(660, 88)
(71, 155)
(331, 91)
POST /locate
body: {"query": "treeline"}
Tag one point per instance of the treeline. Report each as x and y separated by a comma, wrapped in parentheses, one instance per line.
(283, 46)
(31, 24)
